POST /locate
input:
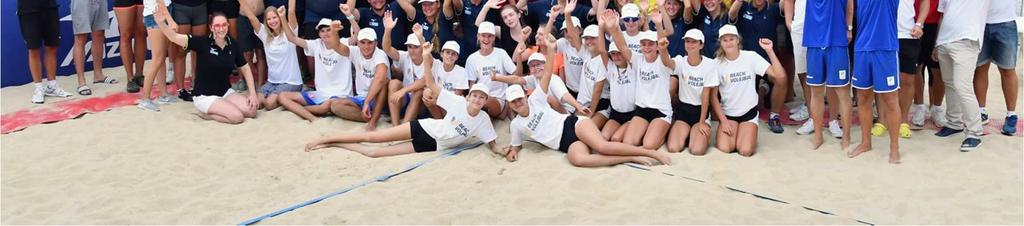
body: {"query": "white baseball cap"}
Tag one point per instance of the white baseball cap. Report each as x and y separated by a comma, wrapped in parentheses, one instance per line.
(630, 10)
(575, 23)
(514, 92)
(367, 34)
(411, 40)
(323, 22)
(451, 45)
(486, 27)
(694, 34)
(649, 35)
(590, 31)
(613, 48)
(479, 87)
(536, 56)
(422, 1)
(727, 30)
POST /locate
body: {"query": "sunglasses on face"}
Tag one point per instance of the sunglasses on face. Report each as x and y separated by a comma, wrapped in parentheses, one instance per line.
(222, 25)
(630, 19)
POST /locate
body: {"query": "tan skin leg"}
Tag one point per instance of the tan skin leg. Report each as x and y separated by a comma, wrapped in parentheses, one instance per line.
(635, 131)
(397, 133)
(293, 101)
(905, 96)
(157, 66)
(677, 135)
(395, 108)
(725, 142)
(609, 129)
(494, 109)
(864, 99)
(620, 133)
(347, 110)
(1009, 86)
(225, 112)
(655, 134)
(415, 106)
(128, 20)
(698, 141)
(242, 103)
(890, 101)
(588, 133)
(746, 139)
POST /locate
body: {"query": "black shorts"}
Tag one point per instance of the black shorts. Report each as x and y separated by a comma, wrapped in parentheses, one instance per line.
(751, 114)
(421, 141)
(648, 114)
(603, 104)
(621, 117)
(40, 27)
(568, 133)
(127, 3)
(931, 33)
(247, 40)
(228, 8)
(573, 93)
(909, 55)
(687, 113)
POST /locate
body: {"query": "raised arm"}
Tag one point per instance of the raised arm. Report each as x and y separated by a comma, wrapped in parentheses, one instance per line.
(688, 10)
(549, 26)
(334, 42)
(491, 4)
(410, 10)
(248, 13)
(734, 11)
(601, 49)
(545, 78)
(572, 33)
(788, 11)
(666, 26)
(428, 73)
(612, 27)
(292, 21)
(349, 9)
(456, 5)
(289, 30)
(447, 10)
(389, 25)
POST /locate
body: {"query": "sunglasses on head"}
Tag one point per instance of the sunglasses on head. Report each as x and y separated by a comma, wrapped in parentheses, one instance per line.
(630, 19)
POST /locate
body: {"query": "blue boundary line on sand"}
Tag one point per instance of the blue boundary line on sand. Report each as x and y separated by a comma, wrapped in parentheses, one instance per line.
(639, 167)
(344, 190)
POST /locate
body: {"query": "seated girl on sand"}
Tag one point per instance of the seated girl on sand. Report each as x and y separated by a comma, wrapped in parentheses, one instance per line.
(464, 119)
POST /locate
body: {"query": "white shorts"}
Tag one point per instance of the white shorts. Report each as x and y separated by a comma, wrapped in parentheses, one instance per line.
(799, 53)
(203, 103)
(606, 112)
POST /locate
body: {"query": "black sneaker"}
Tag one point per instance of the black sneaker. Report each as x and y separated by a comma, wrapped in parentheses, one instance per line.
(131, 86)
(185, 95)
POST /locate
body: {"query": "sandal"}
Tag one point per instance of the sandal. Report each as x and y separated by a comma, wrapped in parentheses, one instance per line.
(905, 131)
(84, 90)
(877, 129)
(106, 80)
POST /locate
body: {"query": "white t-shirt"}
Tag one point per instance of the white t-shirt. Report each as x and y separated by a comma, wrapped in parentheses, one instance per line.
(653, 81)
(963, 21)
(622, 87)
(457, 126)
(544, 125)
(574, 59)
(738, 87)
(693, 79)
(799, 9)
(410, 71)
(556, 87)
(366, 68)
(333, 71)
(905, 19)
(480, 68)
(1000, 11)
(593, 72)
(450, 80)
(282, 64)
(633, 43)
(149, 6)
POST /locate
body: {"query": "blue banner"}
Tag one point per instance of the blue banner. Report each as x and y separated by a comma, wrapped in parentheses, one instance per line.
(14, 54)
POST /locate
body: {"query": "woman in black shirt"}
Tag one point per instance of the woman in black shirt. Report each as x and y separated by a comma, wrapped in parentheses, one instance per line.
(218, 56)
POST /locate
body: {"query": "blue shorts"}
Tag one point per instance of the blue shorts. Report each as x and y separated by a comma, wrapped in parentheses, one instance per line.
(1000, 45)
(828, 66)
(316, 98)
(150, 22)
(878, 70)
(360, 100)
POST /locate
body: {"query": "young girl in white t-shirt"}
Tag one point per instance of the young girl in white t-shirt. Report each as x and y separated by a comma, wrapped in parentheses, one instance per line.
(465, 120)
(653, 114)
(282, 63)
(620, 75)
(735, 99)
(577, 137)
(697, 76)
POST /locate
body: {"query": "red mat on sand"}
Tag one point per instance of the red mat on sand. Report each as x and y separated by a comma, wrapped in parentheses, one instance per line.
(67, 109)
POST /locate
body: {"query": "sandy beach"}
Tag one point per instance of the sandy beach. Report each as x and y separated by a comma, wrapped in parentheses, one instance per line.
(127, 166)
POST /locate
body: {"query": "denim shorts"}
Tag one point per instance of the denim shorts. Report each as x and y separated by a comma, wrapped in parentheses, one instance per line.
(1000, 45)
(150, 22)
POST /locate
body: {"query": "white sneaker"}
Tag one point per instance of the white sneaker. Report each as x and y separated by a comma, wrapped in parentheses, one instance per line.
(806, 128)
(56, 91)
(835, 129)
(917, 113)
(166, 99)
(938, 116)
(799, 114)
(38, 97)
(146, 104)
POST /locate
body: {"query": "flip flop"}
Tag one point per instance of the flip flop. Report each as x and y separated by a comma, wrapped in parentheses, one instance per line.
(84, 90)
(106, 80)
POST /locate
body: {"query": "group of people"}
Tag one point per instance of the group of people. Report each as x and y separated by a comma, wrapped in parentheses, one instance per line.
(606, 82)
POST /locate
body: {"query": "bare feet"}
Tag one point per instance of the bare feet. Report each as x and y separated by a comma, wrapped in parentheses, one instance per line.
(863, 147)
(845, 143)
(316, 144)
(371, 126)
(663, 158)
(894, 157)
(816, 141)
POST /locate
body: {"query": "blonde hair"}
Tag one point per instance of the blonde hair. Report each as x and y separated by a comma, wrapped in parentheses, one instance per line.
(271, 31)
(720, 52)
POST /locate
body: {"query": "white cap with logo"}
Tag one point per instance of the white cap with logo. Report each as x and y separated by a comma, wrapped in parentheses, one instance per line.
(486, 28)
(727, 30)
(451, 45)
(694, 34)
(367, 34)
(514, 92)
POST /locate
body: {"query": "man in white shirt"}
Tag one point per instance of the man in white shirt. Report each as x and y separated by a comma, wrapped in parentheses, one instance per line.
(957, 49)
(1000, 46)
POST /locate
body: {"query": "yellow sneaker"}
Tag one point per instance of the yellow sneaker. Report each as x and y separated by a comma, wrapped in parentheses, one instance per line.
(905, 131)
(878, 129)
